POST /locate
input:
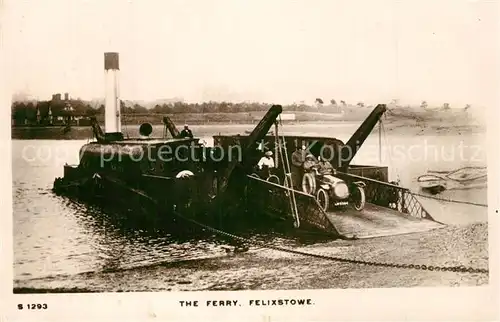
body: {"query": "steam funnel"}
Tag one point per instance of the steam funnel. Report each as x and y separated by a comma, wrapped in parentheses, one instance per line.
(112, 121)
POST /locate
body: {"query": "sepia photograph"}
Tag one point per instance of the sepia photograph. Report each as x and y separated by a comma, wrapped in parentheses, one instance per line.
(186, 146)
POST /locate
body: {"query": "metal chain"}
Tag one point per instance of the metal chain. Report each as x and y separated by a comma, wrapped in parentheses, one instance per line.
(460, 269)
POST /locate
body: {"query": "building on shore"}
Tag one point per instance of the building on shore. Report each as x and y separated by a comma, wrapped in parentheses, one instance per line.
(56, 112)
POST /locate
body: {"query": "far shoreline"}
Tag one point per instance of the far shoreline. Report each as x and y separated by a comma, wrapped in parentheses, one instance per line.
(396, 127)
(396, 121)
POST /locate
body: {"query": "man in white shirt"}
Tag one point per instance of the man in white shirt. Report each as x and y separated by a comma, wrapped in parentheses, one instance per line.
(266, 161)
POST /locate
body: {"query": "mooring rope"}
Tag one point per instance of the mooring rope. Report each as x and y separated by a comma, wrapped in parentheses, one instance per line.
(450, 200)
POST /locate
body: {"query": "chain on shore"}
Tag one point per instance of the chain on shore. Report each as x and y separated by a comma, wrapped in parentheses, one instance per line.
(460, 269)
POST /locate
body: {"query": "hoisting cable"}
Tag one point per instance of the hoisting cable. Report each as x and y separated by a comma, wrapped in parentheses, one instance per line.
(292, 209)
(286, 169)
(291, 196)
(380, 141)
(386, 141)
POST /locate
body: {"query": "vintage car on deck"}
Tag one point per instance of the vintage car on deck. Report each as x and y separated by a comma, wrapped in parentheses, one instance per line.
(320, 180)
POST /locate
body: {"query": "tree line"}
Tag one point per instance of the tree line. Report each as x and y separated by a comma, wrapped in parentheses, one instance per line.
(32, 110)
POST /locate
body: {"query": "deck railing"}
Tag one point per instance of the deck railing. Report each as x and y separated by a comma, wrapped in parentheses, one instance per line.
(274, 198)
(390, 195)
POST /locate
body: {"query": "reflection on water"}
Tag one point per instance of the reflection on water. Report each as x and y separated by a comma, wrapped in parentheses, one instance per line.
(55, 236)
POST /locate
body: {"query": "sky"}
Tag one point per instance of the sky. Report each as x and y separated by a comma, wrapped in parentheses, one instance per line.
(275, 51)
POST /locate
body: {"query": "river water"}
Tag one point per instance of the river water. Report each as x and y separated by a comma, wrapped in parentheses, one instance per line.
(57, 239)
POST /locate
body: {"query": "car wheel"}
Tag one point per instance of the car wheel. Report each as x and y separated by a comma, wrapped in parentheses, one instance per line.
(309, 183)
(323, 199)
(358, 198)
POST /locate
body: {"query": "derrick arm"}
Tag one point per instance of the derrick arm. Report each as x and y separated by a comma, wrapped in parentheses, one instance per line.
(352, 146)
(171, 126)
(96, 129)
(258, 133)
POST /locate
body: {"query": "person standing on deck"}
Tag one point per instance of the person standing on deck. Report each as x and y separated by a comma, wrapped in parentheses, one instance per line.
(186, 133)
(298, 158)
(266, 161)
(266, 164)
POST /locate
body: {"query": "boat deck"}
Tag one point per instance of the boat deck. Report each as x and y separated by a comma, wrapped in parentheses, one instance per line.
(376, 221)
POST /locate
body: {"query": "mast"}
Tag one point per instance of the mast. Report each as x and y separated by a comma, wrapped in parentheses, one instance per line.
(171, 126)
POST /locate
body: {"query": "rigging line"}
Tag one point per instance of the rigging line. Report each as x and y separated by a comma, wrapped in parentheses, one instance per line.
(387, 143)
(286, 166)
(380, 141)
(296, 212)
(391, 157)
(292, 208)
(297, 222)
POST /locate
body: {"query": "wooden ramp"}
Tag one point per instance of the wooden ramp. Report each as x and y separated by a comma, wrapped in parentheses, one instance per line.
(376, 221)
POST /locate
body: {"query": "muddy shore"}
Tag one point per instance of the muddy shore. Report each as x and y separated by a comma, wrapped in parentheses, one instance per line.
(264, 269)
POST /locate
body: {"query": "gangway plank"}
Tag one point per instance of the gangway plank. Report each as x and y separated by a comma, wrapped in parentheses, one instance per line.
(377, 221)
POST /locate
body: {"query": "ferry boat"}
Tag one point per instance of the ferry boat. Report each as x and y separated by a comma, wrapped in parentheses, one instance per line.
(181, 176)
